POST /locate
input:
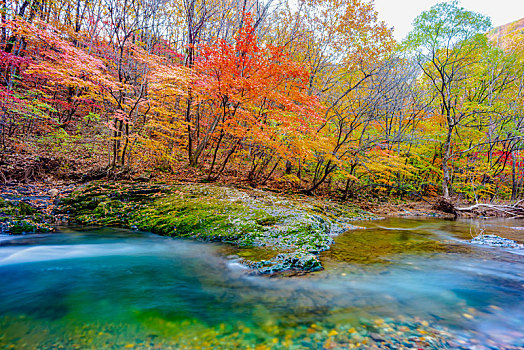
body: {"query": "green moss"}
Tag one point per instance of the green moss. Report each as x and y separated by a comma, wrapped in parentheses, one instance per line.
(16, 208)
(25, 209)
(268, 220)
(6, 208)
(202, 216)
(17, 227)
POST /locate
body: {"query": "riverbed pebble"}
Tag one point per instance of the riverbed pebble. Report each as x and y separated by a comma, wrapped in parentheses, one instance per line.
(397, 333)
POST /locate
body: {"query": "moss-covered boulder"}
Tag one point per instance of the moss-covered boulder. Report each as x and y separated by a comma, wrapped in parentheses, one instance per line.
(298, 227)
(18, 217)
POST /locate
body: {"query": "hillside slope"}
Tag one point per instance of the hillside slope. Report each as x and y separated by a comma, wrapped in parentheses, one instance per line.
(503, 35)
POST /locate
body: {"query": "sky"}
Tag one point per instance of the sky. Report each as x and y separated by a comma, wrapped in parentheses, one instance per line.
(401, 13)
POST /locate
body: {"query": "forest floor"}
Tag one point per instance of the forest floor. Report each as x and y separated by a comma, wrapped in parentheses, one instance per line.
(405, 209)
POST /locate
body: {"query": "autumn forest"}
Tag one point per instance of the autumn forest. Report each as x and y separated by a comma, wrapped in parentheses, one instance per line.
(261, 175)
(312, 95)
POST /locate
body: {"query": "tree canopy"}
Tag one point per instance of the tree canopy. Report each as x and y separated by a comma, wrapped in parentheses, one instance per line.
(315, 96)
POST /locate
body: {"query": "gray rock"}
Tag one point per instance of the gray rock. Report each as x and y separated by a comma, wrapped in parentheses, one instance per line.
(291, 261)
(496, 241)
(376, 337)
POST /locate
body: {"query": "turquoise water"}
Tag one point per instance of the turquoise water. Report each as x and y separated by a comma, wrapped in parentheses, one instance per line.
(92, 288)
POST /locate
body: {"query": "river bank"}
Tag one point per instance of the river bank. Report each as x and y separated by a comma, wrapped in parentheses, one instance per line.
(288, 231)
(30, 208)
(291, 229)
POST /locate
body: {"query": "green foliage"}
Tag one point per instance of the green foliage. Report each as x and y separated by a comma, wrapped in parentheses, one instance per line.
(445, 25)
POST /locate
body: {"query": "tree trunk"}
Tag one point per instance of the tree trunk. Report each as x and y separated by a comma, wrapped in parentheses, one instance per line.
(446, 179)
(327, 170)
(514, 184)
(289, 167)
(192, 162)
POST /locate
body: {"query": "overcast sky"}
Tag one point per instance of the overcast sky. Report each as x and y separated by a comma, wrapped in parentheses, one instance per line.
(401, 13)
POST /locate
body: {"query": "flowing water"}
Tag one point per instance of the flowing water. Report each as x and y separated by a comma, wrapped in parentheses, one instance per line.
(397, 283)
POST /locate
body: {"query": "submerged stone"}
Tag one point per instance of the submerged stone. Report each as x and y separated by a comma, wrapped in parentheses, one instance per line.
(372, 246)
(496, 241)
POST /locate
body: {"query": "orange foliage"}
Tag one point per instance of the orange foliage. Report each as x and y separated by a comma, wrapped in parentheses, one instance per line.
(257, 92)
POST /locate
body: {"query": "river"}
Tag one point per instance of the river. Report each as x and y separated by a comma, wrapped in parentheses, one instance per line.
(396, 283)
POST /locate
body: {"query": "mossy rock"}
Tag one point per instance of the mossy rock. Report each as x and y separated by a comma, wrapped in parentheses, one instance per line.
(15, 208)
(18, 217)
(247, 218)
(24, 226)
